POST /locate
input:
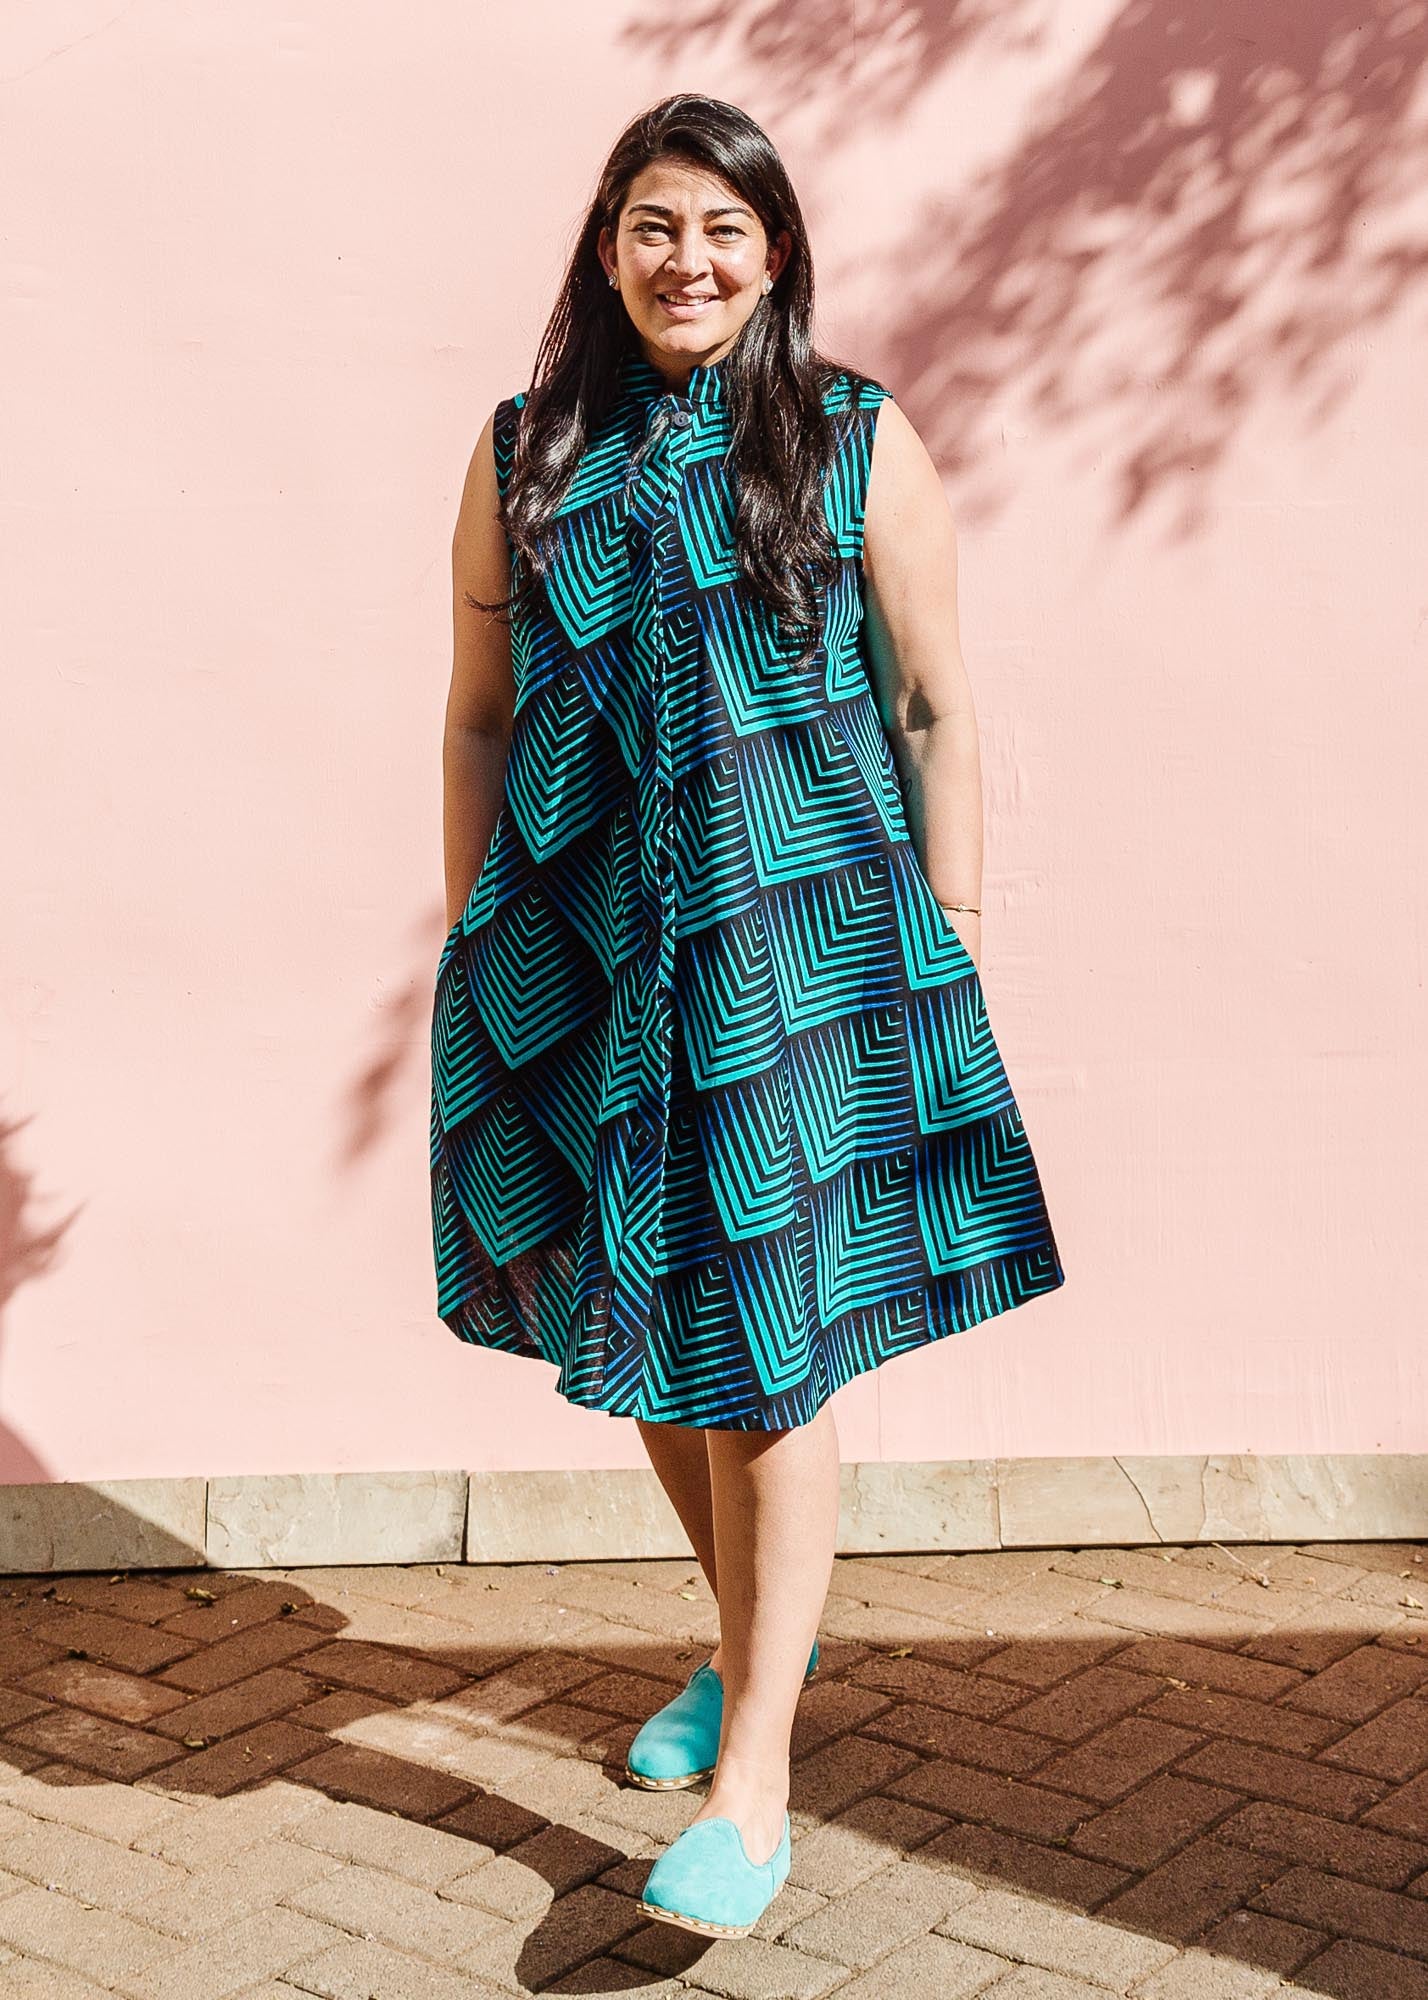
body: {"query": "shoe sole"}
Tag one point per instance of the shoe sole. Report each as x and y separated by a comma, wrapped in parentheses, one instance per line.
(664, 1916)
(666, 1784)
(690, 1778)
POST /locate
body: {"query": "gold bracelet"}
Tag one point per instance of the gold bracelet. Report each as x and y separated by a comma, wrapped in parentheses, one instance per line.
(973, 907)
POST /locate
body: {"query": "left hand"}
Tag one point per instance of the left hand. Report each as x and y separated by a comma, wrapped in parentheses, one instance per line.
(968, 927)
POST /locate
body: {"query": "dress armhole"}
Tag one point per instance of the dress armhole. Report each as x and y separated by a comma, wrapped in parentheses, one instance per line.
(871, 401)
(505, 423)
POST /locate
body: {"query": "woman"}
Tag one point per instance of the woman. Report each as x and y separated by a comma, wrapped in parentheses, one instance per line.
(718, 1120)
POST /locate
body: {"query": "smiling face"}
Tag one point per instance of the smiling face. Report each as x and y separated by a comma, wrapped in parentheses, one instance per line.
(690, 256)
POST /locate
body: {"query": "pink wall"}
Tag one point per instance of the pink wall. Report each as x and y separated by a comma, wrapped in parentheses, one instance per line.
(265, 272)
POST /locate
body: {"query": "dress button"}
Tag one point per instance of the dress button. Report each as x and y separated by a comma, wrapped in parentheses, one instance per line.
(682, 418)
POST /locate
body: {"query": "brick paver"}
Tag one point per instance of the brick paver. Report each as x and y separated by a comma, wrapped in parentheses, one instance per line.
(1168, 1774)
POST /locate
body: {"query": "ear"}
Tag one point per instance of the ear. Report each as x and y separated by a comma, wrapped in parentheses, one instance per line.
(780, 250)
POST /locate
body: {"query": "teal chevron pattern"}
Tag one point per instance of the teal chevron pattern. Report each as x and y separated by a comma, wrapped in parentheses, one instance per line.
(718, 1120)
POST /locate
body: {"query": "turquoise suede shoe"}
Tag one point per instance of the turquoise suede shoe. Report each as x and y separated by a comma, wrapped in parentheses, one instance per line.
(679, 1744)
(704, 1881)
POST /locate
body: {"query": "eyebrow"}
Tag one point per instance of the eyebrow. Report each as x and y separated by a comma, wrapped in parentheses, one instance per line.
(655, 209)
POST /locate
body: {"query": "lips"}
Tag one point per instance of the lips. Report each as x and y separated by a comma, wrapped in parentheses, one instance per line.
(679, 306)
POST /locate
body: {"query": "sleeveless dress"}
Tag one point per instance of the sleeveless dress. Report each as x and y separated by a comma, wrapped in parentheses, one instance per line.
(718, 1121)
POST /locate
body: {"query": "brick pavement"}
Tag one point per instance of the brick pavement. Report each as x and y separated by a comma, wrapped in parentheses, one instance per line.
(1172, 1774)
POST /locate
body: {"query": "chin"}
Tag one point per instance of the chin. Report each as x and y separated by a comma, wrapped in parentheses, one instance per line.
(674, 329)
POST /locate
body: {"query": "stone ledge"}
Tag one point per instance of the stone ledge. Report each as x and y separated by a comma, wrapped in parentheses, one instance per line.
(296, 1520)
(103, 1524)
(1335, 1497)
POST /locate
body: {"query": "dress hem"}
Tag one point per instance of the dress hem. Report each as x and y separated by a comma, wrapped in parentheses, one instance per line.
(983, 1309)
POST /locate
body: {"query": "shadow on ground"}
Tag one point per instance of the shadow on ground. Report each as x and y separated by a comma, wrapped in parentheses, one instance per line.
(1137, 1768)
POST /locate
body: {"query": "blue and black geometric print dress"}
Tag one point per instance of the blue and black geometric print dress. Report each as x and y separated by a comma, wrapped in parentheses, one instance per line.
(717, 1120)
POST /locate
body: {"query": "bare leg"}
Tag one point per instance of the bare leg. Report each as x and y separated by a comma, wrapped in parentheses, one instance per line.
(680, 1458)
(775, 1503)
(681, 1462)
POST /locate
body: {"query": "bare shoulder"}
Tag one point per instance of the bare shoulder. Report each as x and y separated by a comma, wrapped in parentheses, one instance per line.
(482, 693)
(480, 553)
(907, 521)
(480, 499)
(910, 573)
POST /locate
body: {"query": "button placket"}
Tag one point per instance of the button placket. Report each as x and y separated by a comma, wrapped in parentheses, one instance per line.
(670, 427)
(681, 419)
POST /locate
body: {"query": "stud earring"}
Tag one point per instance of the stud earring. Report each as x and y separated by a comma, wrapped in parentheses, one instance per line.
(768, 282)
(614, 280)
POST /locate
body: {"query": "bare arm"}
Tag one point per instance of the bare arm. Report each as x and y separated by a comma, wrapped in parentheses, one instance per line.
(481, 701)
(923, 693)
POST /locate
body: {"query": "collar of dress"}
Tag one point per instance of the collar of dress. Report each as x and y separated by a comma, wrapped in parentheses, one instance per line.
(642, 380)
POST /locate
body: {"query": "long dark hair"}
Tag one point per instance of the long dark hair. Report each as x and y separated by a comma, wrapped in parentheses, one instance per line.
(783, 441)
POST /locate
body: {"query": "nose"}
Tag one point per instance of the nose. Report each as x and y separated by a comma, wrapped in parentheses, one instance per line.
(685, 260)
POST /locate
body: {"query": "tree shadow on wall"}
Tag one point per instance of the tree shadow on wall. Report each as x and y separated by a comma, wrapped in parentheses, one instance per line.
(27, 1252)
(401, 1033)
(1203, 214)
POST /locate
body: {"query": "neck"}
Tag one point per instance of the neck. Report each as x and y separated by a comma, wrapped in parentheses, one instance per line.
(699, 382)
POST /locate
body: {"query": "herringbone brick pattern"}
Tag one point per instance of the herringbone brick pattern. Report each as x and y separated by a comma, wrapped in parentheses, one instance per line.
(1173, 1774)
